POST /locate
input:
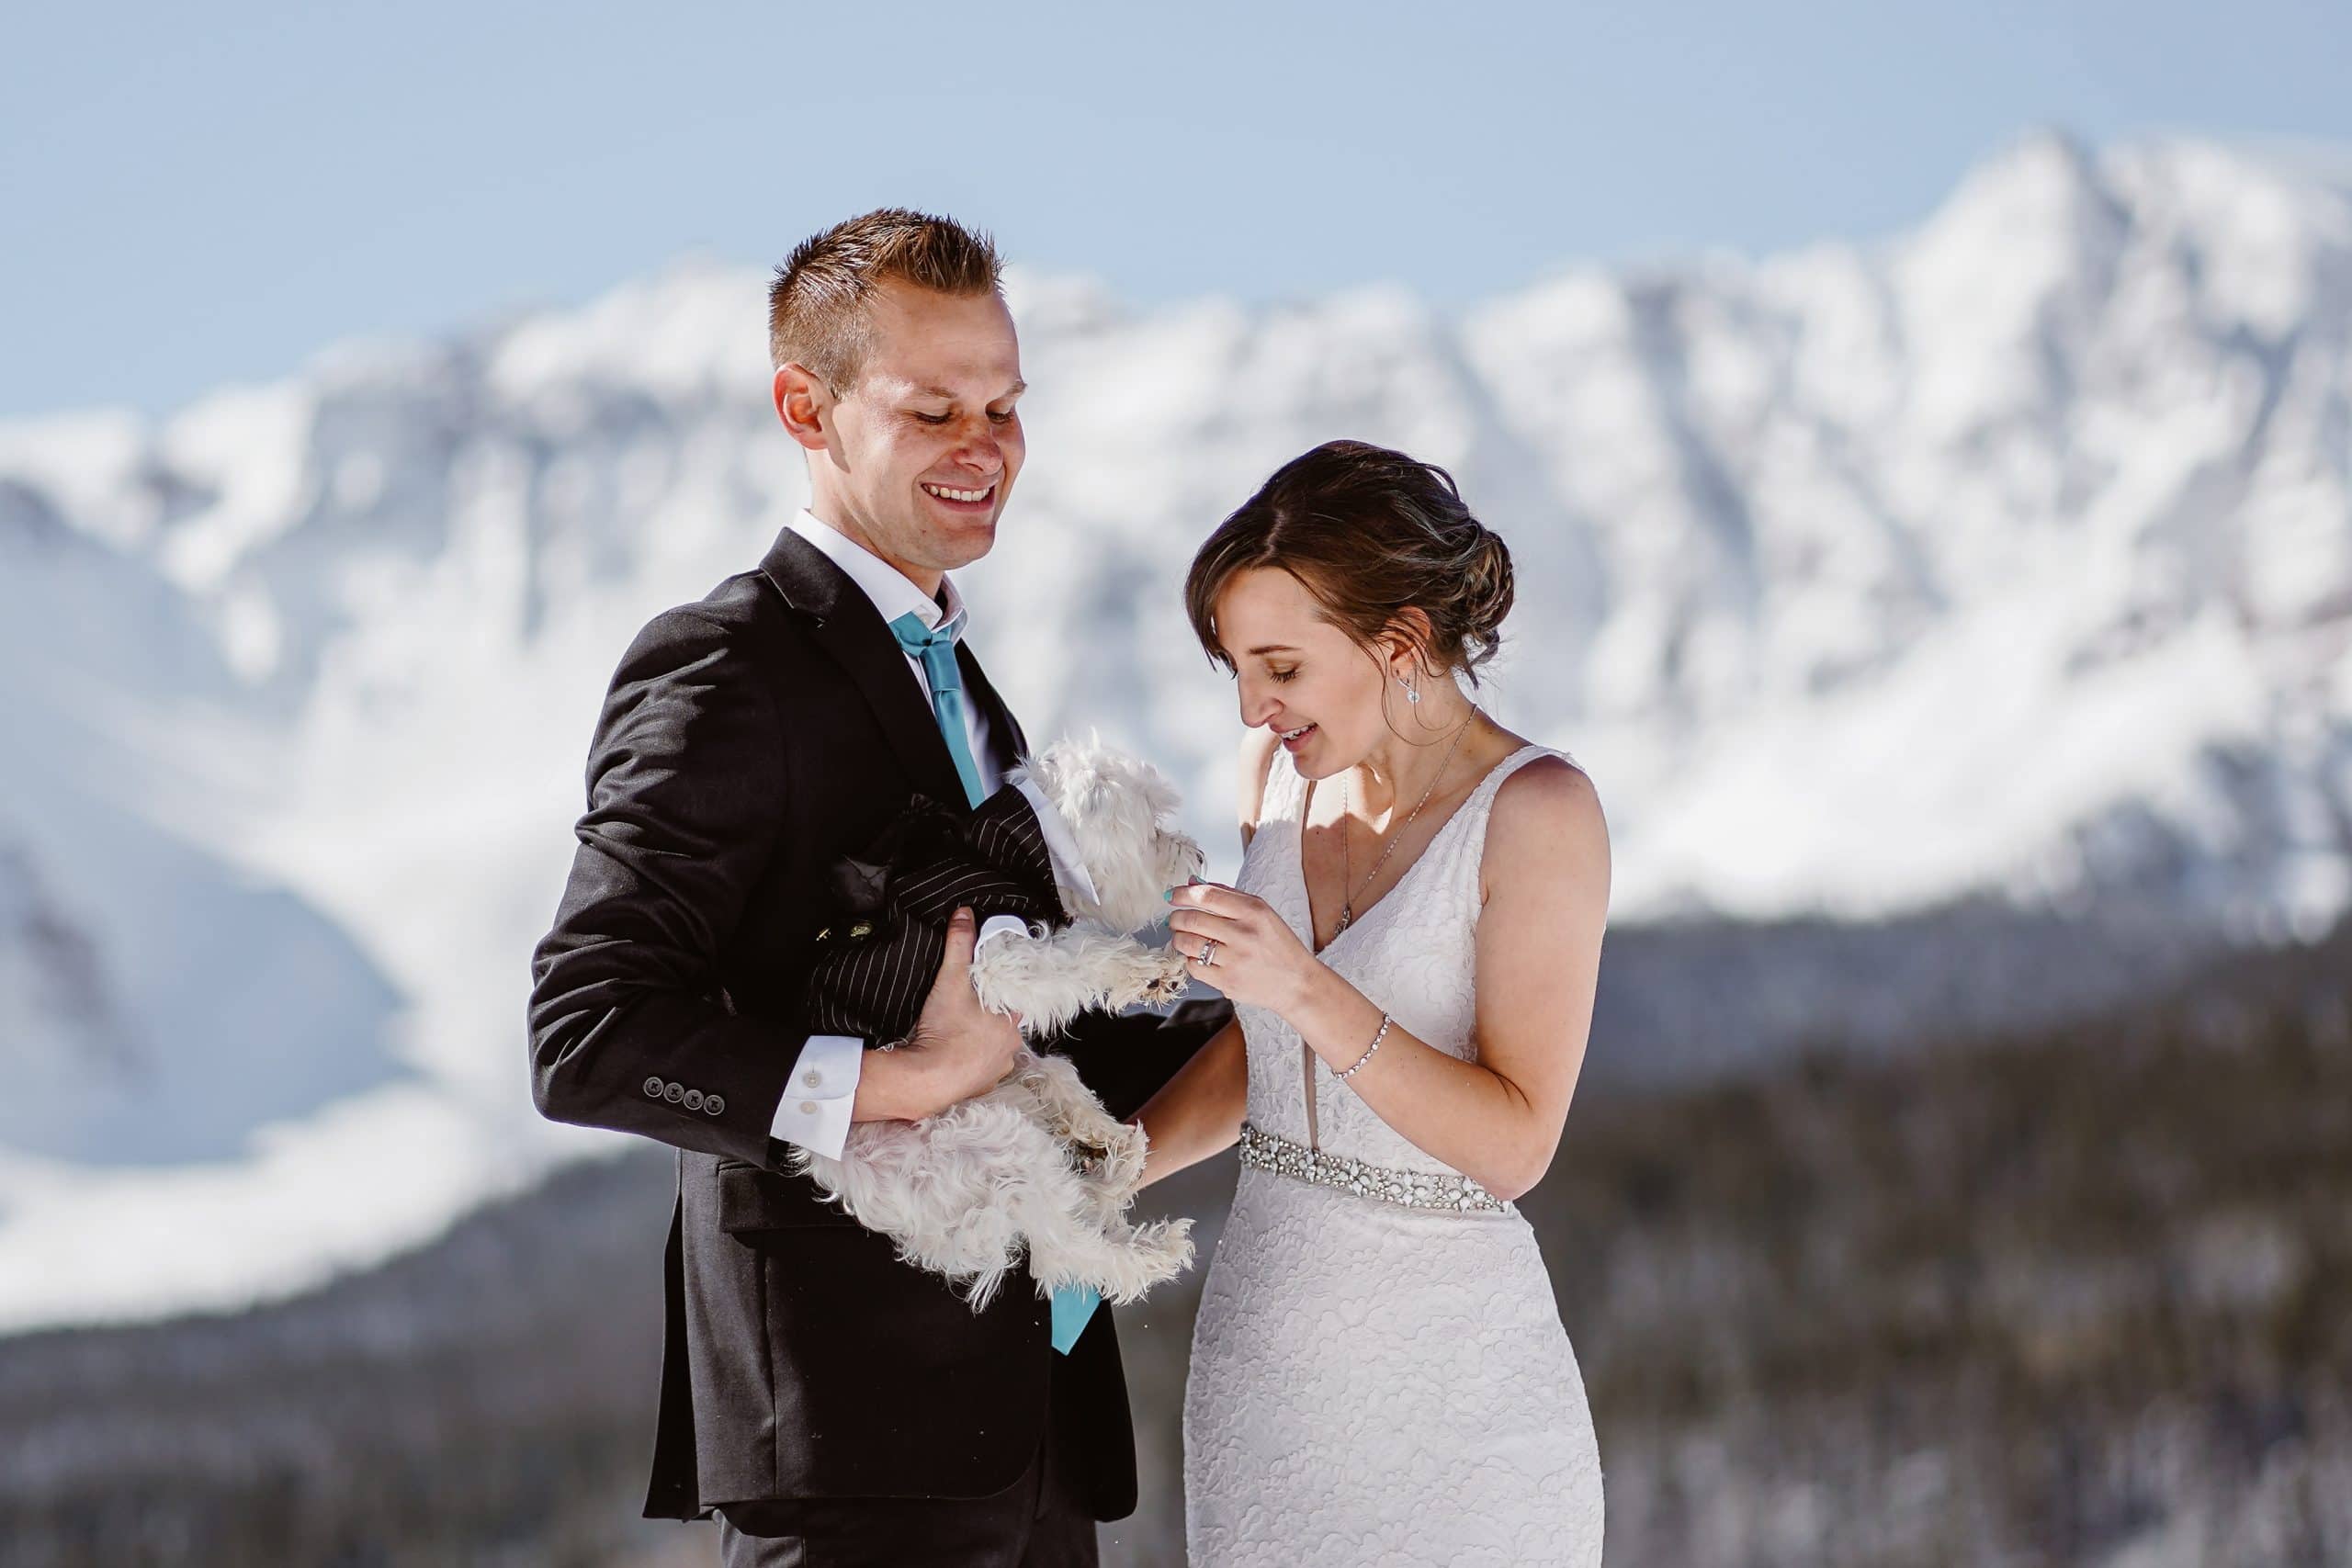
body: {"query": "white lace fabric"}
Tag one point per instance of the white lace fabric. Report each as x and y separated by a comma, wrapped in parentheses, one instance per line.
(1372, 1385)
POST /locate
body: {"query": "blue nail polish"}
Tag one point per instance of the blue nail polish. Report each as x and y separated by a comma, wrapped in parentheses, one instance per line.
(1168, 896)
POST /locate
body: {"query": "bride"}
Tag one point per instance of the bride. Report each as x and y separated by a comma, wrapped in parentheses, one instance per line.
(1379, 1373)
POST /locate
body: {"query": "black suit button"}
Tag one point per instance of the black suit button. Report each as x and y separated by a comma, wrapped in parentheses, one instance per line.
(654, 1087)
(693, 1100)
(674, 1093)
(713, 1104)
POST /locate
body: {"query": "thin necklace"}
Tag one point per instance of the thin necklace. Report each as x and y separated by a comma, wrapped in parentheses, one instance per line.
(1347, 871)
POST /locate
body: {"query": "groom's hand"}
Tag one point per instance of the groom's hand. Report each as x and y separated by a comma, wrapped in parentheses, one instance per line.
(957, 1050)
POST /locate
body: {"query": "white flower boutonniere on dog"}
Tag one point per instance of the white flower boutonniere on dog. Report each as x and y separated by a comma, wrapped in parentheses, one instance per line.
(1035, 1165)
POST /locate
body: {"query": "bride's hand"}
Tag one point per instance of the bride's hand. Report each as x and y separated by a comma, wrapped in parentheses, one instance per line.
(1255, 956)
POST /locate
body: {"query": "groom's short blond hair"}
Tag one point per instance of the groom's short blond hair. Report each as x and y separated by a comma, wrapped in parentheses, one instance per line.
(818, 305)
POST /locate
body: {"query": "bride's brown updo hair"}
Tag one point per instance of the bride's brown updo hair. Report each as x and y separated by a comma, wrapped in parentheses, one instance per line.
(1369, 532)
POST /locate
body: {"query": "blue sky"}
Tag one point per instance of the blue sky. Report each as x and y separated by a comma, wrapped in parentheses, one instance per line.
(192, 194)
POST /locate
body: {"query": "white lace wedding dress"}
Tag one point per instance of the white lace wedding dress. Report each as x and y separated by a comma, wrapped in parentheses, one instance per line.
(1374, 1383)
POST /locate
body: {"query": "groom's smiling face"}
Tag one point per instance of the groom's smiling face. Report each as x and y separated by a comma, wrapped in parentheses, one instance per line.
(916, 458)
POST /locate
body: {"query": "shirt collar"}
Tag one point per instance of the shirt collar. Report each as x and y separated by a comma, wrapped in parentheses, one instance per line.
(893, 594)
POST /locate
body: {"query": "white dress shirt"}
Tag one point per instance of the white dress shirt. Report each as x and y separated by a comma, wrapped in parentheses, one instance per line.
(815, 1110)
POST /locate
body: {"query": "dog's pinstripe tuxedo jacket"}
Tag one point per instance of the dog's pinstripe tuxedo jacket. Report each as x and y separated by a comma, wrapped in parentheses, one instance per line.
(896, 895)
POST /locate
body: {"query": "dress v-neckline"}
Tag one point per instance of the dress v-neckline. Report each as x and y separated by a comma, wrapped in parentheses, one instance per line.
(1298, 857)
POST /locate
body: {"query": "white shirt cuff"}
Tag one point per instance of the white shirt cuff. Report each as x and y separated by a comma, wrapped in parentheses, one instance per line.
(1000, 925)
(820, 1095)
(1070, 867)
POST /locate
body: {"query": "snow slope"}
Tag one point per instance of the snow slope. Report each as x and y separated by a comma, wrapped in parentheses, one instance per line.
(2009, 556)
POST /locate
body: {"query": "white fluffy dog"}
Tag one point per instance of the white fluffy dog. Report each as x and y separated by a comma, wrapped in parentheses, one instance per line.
(1035, 1163)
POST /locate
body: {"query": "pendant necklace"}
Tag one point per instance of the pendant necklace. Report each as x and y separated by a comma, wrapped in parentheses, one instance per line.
(1347, 871)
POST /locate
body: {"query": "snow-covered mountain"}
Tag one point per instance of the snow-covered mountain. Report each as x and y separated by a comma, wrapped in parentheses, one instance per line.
(2007, 558)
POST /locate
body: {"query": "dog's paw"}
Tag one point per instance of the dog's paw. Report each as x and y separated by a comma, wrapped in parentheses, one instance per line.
(1168, 980)
(1132, 973)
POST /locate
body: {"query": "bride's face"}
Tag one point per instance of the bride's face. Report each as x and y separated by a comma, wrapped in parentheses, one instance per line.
(1298, 674)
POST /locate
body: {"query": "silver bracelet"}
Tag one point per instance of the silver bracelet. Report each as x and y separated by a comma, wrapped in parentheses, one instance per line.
(1369, 1049)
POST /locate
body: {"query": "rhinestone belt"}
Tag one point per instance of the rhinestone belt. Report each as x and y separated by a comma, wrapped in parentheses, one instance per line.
(1412, 1189)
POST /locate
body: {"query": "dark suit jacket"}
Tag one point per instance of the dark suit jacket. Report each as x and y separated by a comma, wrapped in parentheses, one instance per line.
(747, 742)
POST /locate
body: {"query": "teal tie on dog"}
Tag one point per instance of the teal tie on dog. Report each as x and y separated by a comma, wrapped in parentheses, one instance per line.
(1073, 1304)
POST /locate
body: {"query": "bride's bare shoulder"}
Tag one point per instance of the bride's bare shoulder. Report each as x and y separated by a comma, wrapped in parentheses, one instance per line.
(1547, 828)
(1257, 760)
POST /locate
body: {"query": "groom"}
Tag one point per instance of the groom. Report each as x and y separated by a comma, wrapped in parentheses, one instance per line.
(830, 1403)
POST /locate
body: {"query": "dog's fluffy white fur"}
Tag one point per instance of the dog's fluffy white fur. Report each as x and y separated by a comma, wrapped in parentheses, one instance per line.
(1036, 1165)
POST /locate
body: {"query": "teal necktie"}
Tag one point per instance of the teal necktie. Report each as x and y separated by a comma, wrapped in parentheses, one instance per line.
(1073, 1304)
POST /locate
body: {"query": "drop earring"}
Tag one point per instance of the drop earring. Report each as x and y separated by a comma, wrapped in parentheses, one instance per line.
(1412, 689)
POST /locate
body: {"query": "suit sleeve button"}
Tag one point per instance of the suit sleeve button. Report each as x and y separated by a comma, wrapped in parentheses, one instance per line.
(712, 1104)
(654, 1087)
(674, 1093)
(693, 1100)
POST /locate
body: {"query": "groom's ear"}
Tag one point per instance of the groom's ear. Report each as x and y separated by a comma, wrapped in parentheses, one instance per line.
(803, 403)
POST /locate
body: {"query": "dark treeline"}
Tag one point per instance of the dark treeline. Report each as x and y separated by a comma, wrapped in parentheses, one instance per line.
(2072, 1298)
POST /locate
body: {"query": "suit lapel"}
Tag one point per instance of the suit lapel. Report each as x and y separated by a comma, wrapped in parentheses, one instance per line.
(846, 624)
(1004, 730)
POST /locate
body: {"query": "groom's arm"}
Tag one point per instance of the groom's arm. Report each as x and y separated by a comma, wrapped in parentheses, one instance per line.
(685, 798)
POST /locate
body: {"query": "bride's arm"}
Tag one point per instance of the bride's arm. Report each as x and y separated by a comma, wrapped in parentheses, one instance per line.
(1498, 1120)
(1198, 1112)
(1546, 884)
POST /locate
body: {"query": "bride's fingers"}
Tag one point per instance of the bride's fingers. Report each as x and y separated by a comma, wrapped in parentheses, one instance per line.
(1216, 898)
(1206, 922)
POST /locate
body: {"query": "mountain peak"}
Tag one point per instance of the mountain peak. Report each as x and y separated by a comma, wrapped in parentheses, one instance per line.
(2046, 185)
(2009, 560)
